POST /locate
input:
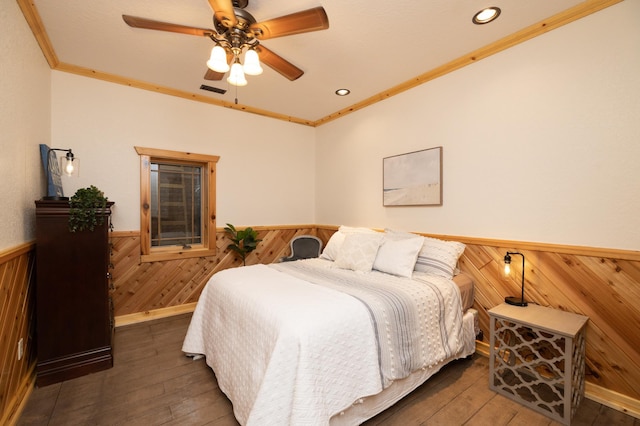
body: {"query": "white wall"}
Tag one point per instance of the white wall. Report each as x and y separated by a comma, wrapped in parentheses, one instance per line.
(541, 143)
(266, 173)
(24, 124)
(559, 165)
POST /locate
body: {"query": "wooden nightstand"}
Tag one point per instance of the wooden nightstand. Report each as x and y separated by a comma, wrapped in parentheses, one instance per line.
(537, 358)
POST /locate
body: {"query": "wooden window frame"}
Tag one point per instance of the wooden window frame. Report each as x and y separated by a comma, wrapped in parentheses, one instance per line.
(208, 163)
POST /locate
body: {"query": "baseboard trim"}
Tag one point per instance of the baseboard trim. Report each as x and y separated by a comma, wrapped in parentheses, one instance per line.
(139, 317)
(482, 348)
(596, 393)
(612, 399)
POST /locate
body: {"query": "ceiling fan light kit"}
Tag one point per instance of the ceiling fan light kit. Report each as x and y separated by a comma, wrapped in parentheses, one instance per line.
(236, 75)
(218, 60)
(252, 63)
(237, 31)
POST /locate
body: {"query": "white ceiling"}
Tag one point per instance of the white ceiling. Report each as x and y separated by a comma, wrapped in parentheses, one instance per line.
(370, 46)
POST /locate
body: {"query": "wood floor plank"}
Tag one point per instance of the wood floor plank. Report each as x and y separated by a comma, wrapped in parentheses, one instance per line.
(464, 405)
(204, 409)
(431, 396)
(42, 404)
(493, 412)
(153, 383)
(503, 411)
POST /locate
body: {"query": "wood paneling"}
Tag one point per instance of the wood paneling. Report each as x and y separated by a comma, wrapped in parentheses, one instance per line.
(588, 283)
(147, 286)
(604, 289)
(17, 289)
(603, 284)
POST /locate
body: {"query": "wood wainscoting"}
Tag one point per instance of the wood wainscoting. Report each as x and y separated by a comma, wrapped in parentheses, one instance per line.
(145, 290)
(603, 284)
(600, 283)
(17, 322)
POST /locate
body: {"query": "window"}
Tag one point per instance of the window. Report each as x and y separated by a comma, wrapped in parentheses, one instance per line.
(177, 204)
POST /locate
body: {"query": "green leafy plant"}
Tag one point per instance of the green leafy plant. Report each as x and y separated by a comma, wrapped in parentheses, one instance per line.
(244, 241)
(86, 208)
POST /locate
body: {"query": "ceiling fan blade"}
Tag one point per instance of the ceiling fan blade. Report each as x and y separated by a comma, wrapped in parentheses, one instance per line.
(300, 22)
(223, 12)
(136, 22)
(213, 75)
(278, 63)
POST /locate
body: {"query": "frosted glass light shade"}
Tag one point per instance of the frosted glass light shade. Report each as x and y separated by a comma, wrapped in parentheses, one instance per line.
(236, 76)
(252, 63)
(218, 60)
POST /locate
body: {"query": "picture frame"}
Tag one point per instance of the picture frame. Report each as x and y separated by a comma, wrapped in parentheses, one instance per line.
(413, 179)
(51, 171)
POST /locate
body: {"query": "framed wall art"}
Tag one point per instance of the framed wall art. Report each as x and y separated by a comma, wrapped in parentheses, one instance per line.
(413, 179)
(51, 171)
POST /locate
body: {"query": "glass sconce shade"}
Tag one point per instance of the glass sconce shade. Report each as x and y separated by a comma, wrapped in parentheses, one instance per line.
(70, 165)
(514, 300)
(507, 264)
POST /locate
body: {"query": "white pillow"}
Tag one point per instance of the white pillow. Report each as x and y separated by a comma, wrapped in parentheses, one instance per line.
(398, 254)
(439, 257)
(358, 252)
(332, 248)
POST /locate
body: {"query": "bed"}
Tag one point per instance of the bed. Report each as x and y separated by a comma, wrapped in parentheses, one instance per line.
(330, 340)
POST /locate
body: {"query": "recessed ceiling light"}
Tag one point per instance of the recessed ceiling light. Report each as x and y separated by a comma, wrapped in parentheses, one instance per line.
(486, 15)
(343, 92)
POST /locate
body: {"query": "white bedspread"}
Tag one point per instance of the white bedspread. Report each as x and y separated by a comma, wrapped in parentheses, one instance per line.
(280, 359)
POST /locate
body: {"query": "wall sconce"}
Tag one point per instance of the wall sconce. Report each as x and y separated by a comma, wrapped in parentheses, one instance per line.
(69, 166)
(514, 300)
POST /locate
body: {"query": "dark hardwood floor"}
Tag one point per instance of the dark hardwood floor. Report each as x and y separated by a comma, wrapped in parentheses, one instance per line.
(153, 383)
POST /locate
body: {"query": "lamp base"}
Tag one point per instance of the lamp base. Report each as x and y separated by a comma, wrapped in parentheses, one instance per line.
(516, 301)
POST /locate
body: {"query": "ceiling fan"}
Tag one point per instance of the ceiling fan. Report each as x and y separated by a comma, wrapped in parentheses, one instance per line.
(236, 30)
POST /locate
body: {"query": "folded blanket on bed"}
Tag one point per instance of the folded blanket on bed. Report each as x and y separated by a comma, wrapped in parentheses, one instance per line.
(417, 322)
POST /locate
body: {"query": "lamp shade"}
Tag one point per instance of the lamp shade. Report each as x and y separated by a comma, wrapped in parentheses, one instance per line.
(252, 63)
(236, 76)
(507, 264)
(218, 60)
(514, 300)
(70, 165)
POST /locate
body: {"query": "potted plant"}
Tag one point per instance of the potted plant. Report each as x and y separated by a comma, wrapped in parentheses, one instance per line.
(243, 241)
(86, 208)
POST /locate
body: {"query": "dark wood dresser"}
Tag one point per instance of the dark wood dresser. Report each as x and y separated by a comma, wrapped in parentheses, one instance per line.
(74, 316)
